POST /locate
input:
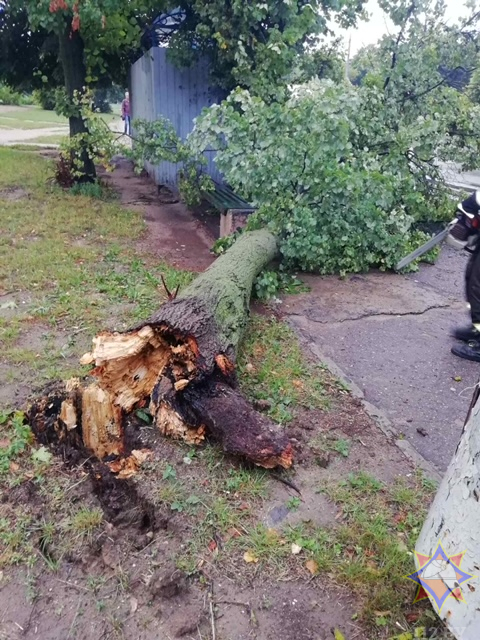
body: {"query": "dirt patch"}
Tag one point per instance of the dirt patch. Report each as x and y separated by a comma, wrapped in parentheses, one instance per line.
(347, 416)
(14, 305)
(125, 582)
(173, 233)
(13, 194)
(293, 611)
(127, 578)
(209, 218)
(35, 335)
(166, 195)
(13, 392)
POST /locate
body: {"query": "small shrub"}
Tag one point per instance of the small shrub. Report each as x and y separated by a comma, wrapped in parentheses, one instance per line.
(9, 96)
(46, 97)
(97, 142)
(64, 172)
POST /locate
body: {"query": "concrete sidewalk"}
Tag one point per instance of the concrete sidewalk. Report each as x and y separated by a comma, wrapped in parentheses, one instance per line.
(390, 335)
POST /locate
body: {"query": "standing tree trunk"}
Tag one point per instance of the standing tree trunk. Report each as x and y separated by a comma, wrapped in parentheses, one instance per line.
(182, 362)
(454, 521)
(71, 55)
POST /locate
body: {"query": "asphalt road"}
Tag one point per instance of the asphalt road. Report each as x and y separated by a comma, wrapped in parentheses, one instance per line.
(390, 335)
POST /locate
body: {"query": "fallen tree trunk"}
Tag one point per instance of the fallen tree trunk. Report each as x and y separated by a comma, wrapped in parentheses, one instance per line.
(453, 521)
(182, 362)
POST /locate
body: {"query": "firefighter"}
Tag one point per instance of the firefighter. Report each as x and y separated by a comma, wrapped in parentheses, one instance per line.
(465, 235)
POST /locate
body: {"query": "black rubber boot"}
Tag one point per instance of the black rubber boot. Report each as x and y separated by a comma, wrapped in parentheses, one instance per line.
(466, 334)
(470, 351)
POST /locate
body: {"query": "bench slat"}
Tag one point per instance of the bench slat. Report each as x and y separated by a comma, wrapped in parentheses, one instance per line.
(224, 198)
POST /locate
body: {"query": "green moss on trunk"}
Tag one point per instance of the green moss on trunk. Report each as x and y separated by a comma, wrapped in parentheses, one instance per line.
(226, 286)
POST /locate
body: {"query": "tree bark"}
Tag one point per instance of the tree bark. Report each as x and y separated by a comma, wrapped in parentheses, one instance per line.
(71, 56)
(454, 521)
(182, 362)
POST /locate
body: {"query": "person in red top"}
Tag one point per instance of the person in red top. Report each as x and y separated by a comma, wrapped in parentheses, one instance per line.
(126, 116)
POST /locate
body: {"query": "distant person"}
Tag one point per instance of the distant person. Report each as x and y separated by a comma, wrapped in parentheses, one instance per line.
(126, 115)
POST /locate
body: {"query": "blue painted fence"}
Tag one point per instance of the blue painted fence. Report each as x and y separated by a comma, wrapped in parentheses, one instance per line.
(160, 88)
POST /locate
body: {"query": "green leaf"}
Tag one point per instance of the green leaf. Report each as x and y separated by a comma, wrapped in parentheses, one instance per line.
(144, 415)
(42, 455)
(170, 473)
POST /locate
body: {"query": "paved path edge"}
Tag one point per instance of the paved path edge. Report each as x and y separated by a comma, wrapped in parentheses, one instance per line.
(377, 415)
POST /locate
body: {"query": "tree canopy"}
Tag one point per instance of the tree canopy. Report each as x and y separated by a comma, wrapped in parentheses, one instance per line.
(256, 45)
(28, 58)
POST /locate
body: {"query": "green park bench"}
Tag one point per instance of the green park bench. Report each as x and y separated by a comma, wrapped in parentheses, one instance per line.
(234, 210)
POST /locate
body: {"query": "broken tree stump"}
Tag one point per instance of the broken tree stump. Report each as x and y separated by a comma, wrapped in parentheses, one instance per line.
(182, 363)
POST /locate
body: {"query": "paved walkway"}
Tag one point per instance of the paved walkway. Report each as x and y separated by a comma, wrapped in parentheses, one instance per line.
(390, 335)
(16, 136)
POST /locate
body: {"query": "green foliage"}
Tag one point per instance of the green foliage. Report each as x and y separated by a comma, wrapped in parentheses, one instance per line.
(335, 205)
(45, 97)
(97, 141)
(269, 284)
(256, 45)
(416, 239)
(157, 142)
(89, 189)
(11, 97)
(18, 437)
(222, 244)
(342, 446)
(293, 503)
(106, 27)
(25, 55)
(342, 174)
(473, 89)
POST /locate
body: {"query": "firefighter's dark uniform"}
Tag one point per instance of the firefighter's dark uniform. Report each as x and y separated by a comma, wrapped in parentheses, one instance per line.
(465, 234)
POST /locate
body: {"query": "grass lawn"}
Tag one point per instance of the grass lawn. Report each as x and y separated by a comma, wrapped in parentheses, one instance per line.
(32, 117)
(54, 139)
(71, 265)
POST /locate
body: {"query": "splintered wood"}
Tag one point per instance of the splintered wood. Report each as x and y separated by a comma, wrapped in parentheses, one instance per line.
(101, 422)
(128, 365)
(127, 368)
(170, 423)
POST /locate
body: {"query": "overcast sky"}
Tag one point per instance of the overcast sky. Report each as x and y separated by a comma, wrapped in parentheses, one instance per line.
(370, 32)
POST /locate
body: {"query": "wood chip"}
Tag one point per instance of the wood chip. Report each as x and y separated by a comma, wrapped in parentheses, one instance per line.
(181, 384)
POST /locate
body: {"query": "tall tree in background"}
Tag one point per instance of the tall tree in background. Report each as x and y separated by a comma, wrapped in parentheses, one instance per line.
(27, 57)
(92, 38)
